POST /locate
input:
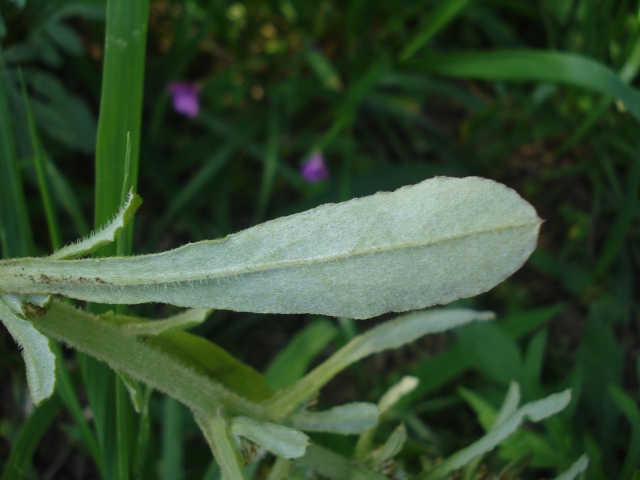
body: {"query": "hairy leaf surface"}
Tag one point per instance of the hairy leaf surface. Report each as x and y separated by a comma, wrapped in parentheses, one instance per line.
(426, 244)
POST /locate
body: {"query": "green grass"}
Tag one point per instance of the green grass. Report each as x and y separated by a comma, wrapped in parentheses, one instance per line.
(542, 96)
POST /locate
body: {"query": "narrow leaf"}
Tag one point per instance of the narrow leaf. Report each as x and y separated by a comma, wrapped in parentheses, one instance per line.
(391, 447)
(405, 386)
(182, 321)
(509, 406)
(292, 362)
(280, 440)
(534, 411)
(536, 66)
(427, 244)
(392, 334)
(345, 419)
(105, 235)
(39, 360)
(576, 469)
(28, 439)
(331, 465)
(446, 12)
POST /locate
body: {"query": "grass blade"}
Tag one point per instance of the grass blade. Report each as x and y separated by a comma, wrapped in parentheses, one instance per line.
(446, 12)
(28, 439)
(43, 184)
(15, 231)
(536, 66)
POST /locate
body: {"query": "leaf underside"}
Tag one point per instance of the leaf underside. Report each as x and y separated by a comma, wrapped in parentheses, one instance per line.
(422, 245)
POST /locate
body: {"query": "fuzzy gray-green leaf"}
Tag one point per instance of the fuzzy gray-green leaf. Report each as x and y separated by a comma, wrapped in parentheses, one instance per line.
(39, 360)
(346, 419)
(426, 244)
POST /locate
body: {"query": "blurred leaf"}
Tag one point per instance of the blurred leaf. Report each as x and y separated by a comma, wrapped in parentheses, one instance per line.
(15, 231)
(392, 334)
(520, 323)
(534, 411)
(292, 361)
(510, 404)
(405, 386)
(182, 321)
(533, 363)
(334, 466)
(66, 197)
(485, 412)
(437, 20)
(324, 70)
(576, 469)
(173, 446)
(601, 357)
(344, 419)
(29, 436)
(625, 213)
(391, 447)
(280, 440)
(535, 66)
(629, 407)
(387, 401)
(38, 160)
(494, 353)
(66, 38)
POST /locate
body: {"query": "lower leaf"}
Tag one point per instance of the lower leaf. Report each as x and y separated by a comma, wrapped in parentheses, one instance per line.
(39, 360)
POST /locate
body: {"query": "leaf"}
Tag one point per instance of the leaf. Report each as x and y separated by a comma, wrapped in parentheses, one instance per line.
(277, 439)
(405, 386)
(442, 15)
(292, 362)
(28, 438)
(628, 406)
(427, 244)
(331, 465)
(534, 411)
(39, 360)
(345, 419)
(393, 334)
(576, 469)
(182, 321)
(391, 447)
(105, 235)
(535, 66)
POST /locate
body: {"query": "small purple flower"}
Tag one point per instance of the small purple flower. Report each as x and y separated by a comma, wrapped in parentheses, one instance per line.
(314, 169)
(186, 99)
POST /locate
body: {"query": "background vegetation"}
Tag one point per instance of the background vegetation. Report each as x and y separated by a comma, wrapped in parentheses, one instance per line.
(537, 95)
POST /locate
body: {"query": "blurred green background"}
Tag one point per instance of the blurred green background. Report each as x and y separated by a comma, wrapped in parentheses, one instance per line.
(538, 95)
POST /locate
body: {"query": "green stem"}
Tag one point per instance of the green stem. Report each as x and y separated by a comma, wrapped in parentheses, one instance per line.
(107, 343)
(219, 438)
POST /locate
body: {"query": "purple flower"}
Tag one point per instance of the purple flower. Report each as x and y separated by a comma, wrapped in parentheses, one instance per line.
(186, 99)
(314, 169)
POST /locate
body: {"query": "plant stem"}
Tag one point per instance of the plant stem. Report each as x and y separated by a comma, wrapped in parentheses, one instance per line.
(219, 438)
(107, 343)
